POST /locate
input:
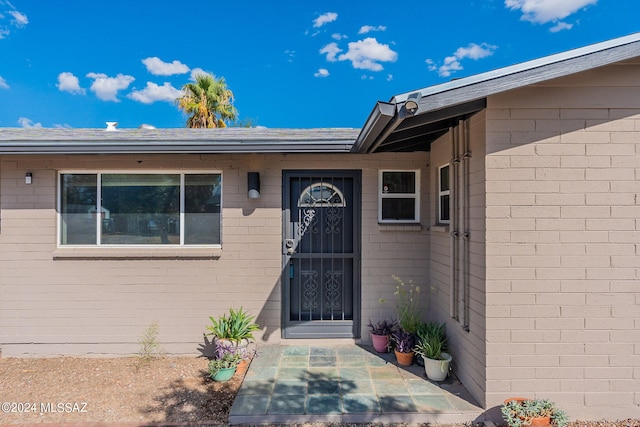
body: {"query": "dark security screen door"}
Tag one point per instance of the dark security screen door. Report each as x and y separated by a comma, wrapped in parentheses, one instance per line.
(321, 254)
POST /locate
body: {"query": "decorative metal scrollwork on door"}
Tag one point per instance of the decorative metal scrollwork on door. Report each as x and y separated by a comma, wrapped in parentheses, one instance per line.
(320, 195)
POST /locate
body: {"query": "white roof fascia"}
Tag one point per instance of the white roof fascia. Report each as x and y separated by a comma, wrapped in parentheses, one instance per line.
(583, 52)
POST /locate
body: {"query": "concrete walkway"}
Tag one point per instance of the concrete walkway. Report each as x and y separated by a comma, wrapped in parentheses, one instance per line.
(347, 383)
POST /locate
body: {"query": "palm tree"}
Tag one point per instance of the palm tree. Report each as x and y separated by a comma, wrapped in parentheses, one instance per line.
(208, 101)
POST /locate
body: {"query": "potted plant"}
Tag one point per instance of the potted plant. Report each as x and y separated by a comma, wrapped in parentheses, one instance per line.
(234, 330)
(431, 345)
(519, 412)
(225, 362)
(380, 333)
(403, 343)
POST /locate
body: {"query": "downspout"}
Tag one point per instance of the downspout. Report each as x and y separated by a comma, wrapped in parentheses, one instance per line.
(453, 223)
(466, 247)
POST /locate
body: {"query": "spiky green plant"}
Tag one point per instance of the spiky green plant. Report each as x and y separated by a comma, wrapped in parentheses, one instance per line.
(237, 326)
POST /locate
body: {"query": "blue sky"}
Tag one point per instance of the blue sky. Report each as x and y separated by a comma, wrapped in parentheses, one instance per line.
(291, 64)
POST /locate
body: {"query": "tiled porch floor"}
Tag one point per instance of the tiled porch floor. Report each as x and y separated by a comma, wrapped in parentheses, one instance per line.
(347, 383)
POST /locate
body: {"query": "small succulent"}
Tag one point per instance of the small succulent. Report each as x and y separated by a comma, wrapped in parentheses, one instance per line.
(520, 413)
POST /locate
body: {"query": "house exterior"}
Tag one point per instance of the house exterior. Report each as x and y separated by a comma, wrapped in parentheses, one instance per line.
(511, 196)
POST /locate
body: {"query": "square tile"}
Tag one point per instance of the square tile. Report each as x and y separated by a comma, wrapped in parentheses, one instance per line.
(324, 404)
(287, 405)
(296, 350)
(432, 403)
(323, 387)
(389, 387)
(250, 405)
(322, 373)
(353, 373)
(397, 403)
(384, 373)
(350, 361)
(290, 387)
(294, 361)
(423, 387)
(322, 361)
(260, 374)
(360, 403)
(323, 351)
(257, 387)
(356, 387)
(375, 361)
(291, 374)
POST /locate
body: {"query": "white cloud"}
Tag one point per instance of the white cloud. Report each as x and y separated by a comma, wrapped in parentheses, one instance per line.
(322, 72)
(543, 11)
(338, 36)
(19, 19)
(197, 71)
(62, 126)
(368, 28)
(153, 92)
(324, 19)
(158, 67)
(368, 53)
(290, 54)
(67, 82)
(106, 88)
(28, 123)
(3, 83)
(13, 18)
(560, 26)
(452, 63)
(331, 50)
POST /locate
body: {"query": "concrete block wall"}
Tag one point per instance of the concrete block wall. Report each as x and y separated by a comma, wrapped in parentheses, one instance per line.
(562, 277)
(72, 305)
(467, 347)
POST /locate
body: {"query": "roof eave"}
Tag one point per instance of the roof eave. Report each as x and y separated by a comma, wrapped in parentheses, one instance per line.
(380, 116)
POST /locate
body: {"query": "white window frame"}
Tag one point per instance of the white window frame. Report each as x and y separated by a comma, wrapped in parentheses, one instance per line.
(415, 195)
(99, 173)
(442, 193)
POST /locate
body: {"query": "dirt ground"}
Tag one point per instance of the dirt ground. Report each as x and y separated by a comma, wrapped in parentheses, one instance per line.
(70, 390)
(173, 390)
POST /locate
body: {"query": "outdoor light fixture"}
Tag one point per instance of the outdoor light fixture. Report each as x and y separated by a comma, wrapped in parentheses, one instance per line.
(27, 178)
(411, 104)
(253, 185)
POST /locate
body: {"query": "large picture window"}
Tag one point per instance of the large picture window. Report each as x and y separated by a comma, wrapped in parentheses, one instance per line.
(140, 209)
(399, 196)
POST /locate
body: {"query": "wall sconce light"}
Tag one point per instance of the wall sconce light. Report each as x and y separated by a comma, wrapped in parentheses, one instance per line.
(253, 185)
(411, 104)
(28, 178)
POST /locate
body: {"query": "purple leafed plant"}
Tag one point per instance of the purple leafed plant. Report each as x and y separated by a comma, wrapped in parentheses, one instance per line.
(403, 341)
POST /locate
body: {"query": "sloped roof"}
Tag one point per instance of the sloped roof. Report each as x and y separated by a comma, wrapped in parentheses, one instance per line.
(391, 127)
(183, 141)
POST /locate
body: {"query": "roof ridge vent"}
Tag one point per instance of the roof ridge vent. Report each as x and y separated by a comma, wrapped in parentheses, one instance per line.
(111, 126)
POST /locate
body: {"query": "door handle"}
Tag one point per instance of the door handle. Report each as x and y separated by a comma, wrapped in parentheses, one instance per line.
(289, 247)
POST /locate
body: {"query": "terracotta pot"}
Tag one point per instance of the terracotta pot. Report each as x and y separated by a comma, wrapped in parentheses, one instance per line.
(540, 422)
(516, 399)
(404, 359)
(380, 343)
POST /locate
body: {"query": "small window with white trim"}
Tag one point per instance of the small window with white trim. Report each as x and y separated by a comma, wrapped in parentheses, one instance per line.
(139, 209)
(399, 196)
(443, 194)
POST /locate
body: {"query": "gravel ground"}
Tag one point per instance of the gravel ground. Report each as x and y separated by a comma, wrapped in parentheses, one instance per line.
(126, 390)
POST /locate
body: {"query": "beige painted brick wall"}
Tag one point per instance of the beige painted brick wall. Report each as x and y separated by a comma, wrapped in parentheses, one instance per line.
(467, 348)
(80, 306)
(563, 299)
